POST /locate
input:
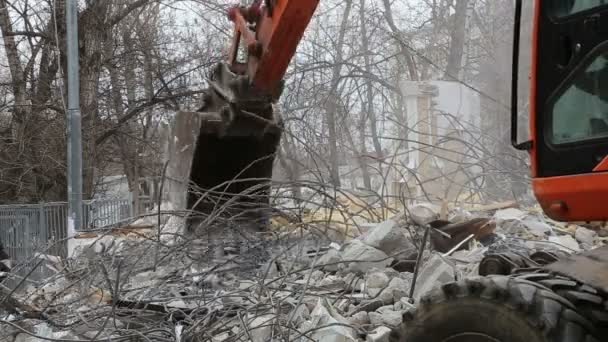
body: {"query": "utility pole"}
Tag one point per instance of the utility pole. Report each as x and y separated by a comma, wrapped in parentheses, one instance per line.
(74, 219)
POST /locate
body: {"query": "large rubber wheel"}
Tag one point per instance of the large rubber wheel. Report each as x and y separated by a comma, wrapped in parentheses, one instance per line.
(494, 309)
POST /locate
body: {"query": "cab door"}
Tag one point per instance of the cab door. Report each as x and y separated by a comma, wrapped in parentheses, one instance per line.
(569, 103)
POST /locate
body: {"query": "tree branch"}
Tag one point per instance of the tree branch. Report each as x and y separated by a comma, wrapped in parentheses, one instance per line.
(130, 8)
(137, 110)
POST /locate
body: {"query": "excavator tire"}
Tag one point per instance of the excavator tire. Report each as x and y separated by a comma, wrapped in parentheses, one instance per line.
(495, 309)
(588, 301)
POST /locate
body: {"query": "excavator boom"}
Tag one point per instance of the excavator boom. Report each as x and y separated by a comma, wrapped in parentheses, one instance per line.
(278, 29)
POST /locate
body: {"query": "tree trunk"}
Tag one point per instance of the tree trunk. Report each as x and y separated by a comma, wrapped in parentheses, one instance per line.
(369, 87)
(331, 105)
(457, 40)
(406, 56)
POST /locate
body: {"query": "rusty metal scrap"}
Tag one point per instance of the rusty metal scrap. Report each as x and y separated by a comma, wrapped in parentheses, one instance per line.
(447, 235)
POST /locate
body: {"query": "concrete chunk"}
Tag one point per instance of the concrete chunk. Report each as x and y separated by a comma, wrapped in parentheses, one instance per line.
(565, 243)
(324, 317)
(360, 258)
(388, 317)
(436, 271)
(380, 334)
(423, 213)
(585, 236)
(360, 318)
(330, 261)
(389, 237)
(260, 328)
(376, 280)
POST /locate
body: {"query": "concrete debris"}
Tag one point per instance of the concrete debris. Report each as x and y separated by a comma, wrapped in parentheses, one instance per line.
(357, 290)
(260, 328)
(359, 319)
(380, 334)
(330, 261)
(300, 314)
(586, 237)
(332, 282)
(144, 222)
(360, 258)
(537, 227)
(423, 213)
(389, 237)
(376, 280)
(566, 243)
(327, 322)
(397, 288)
(436, 271)
(317, 275)
(458, 215)
(388, 317)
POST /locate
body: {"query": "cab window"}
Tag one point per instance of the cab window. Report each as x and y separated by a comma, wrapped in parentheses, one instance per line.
(580, 113)
(563, 8)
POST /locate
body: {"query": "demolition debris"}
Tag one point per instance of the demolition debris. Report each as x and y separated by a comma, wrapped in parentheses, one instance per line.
(295, 283)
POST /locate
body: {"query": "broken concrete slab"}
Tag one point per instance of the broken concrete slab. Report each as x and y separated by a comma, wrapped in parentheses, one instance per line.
(585, 236)
(458, 215)
(385, 308)
(537, 227)
(388, 317)
(300, 314)
(360, 258)
(330, 261)
(509, 214)
(436, 271)
(376, 280)
(398, 288)
(317, 275)
(359, 319)
(260, 328)
(390, 238)
(566, 243)
(324, 318)
(423, 213)
(332, 282)
(380, 334)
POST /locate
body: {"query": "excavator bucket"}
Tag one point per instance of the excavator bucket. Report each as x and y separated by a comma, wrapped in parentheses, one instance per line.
(220, 158)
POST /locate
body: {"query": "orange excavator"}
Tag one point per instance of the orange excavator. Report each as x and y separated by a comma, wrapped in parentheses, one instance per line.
(222, 158)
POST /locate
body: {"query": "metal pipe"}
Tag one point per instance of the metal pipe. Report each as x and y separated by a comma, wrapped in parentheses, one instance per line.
(74, 168)
(448, 253)
(419, 261)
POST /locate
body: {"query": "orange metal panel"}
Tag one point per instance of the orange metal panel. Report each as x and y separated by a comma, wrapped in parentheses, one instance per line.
(602, 166)
(533, 104)
(280, 35)
(574, 198)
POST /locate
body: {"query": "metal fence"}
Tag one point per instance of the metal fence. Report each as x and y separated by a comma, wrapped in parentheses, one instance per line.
(30, 228)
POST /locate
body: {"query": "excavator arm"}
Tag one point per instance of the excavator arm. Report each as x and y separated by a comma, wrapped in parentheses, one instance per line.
(222, 156)
(271, 31)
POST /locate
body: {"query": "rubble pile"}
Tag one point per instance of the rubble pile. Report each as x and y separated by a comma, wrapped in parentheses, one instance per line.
(131, 284)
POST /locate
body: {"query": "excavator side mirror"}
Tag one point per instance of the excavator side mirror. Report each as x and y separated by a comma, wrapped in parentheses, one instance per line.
(526, 145)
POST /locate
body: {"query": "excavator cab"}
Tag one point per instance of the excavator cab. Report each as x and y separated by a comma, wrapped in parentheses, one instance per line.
(568, 107)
